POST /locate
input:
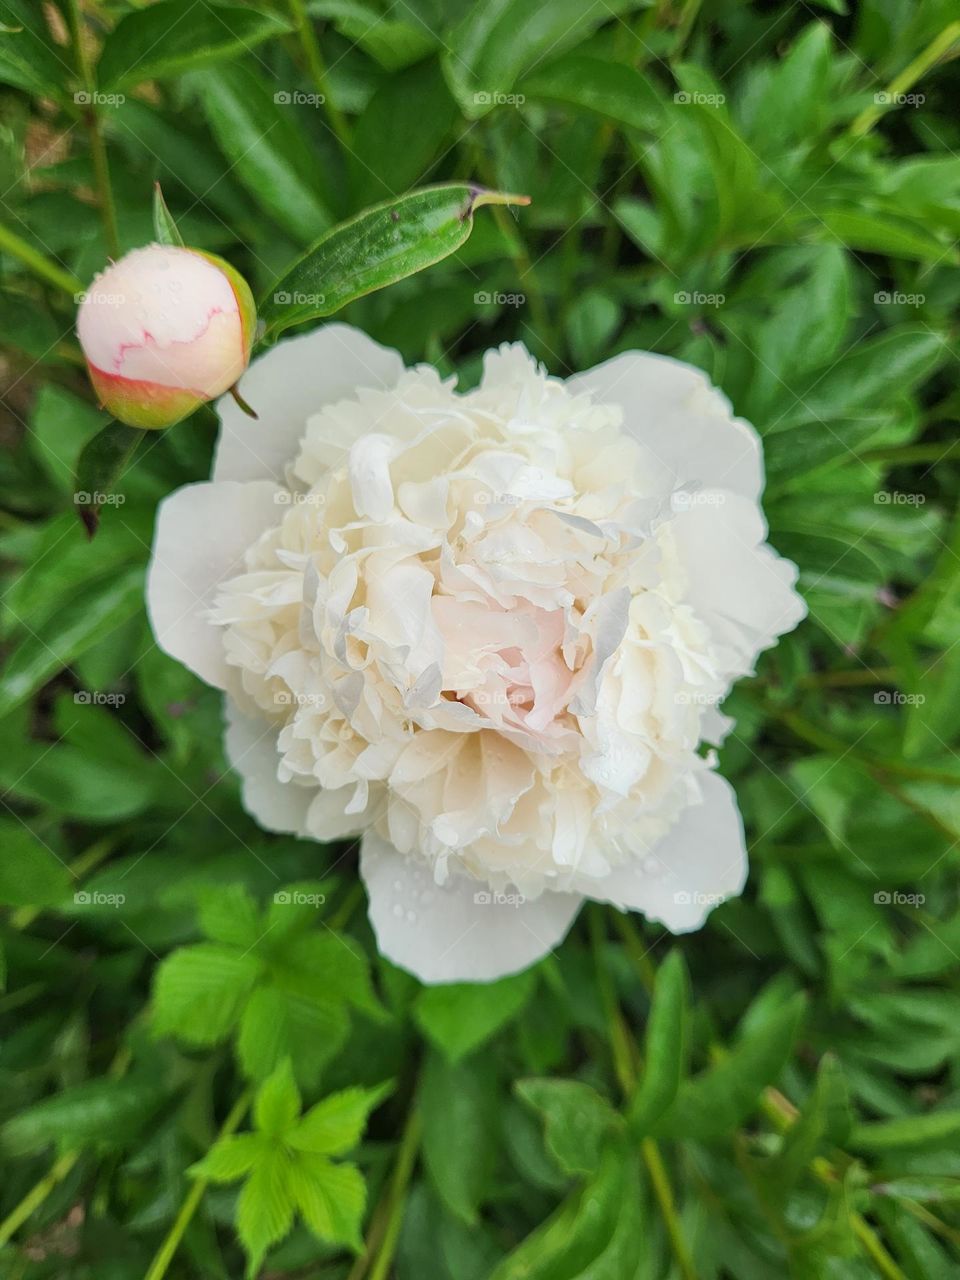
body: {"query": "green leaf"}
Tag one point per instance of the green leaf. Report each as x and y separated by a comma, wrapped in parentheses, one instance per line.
(598, 1233)
(103, 462)
(265, 1208)
(665, 1051)
(277, 1104)
(31, 875)
(278, 1024)
(164, 226)
(499, 39)
(104, 1112)
(460, 1016)
(935, 1127)
(172, 36)
(610, 89)
(823, 1121)
(876, 369)
(376, 248)
(63, 425)
(335, 1125)
(395, 38)
(267, 152)
(28, 59)
(230, 915)
(199, 992)
(459, 1100)
(577, 1121)
(714, 1103)
(86, 618)
(331, 1197)
(230, 1158)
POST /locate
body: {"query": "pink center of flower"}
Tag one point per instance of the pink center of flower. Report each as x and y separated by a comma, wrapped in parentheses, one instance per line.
(507, 665)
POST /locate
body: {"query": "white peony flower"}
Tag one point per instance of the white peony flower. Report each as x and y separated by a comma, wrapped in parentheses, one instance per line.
(487, 631)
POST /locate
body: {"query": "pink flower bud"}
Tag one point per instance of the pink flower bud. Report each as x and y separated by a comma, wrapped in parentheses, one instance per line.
(164, 330)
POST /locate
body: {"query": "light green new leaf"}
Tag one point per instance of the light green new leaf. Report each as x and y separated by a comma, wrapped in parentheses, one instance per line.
(199, 992)
(665, 1051)
(229, 914)
(230, 1158)
(378, 247)
(460, 1016)
(277, 1104)
(577, 1121)
(331, 1197)
(335, 1125)
(265, 1208)
(277, 1024)
(171, 37)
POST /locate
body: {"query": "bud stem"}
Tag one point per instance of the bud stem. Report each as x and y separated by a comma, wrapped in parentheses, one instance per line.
(239, 400)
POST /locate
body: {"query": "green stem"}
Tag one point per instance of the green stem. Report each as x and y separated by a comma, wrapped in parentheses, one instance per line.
(36, 1196)
(165, 1254)
(318, 70)
(626, 1075)
(937, 48)
(91, 115)
(384, 1231)
(37, 262)
(396, 1202)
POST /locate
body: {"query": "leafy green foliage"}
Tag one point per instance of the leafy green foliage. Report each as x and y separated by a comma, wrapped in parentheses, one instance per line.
(283, 989)
(769, 192)
(286, 1166)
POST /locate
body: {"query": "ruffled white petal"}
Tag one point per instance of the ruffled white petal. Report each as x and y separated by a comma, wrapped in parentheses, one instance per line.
(736, 583)
(251, 748)
(672, 408)
(201, 535)
(460, 931)
(683, 876)
(287, 384)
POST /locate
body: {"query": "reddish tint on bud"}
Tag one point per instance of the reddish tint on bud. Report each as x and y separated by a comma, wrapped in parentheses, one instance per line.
(164, 330)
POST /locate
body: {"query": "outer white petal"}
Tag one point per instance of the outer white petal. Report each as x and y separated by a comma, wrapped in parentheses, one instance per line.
(672, 408)
(741, 588)
(285, 386)
(698, 863)
(251, 747)
(441, 933)
(199, 540)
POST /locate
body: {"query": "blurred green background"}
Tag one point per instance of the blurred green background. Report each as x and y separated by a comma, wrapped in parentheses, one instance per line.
(770, 191)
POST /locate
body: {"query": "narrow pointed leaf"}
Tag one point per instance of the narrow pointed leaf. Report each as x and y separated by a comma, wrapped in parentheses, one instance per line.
(384, 244)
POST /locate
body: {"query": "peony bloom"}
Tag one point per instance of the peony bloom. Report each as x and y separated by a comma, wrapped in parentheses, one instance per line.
(164, 330)
(487, 631)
